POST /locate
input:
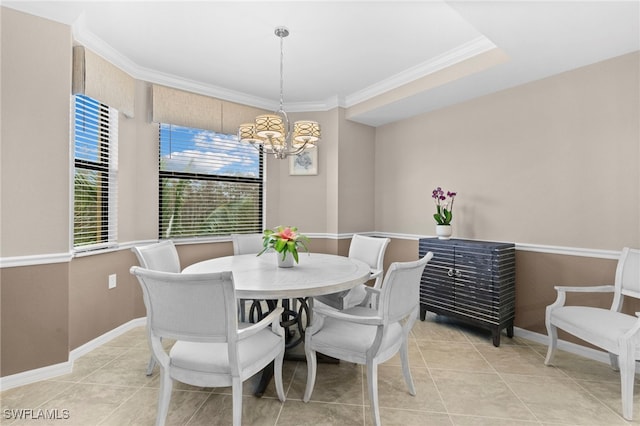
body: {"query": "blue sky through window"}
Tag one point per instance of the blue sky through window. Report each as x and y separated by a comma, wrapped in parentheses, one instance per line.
(87, 128)
(184, 149)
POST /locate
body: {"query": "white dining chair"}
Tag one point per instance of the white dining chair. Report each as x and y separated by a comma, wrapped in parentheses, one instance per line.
(210, 350)
(246, 244)
(161, 256)
(371, 251)
(369, 335)
(610, 329)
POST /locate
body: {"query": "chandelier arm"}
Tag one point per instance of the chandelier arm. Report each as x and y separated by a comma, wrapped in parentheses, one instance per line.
(255, 145)
(299, 149)
(272, 147)
(285, 153)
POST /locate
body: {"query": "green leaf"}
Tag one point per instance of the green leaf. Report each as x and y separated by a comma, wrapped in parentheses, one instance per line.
(291, 246)
(303, 243)
(280, 245)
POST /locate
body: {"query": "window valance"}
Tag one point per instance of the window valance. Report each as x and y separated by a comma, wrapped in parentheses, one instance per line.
(188, 109)
(100, 80)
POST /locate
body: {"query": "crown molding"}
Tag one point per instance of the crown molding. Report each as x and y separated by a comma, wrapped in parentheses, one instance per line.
(82, 35)
(465, 51)
(175, 82)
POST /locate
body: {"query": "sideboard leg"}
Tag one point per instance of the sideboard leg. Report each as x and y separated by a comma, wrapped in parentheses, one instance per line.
(496, 337)
(423, 313)
(510, 330)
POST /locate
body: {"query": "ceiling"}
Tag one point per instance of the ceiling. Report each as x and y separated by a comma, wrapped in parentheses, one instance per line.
(382, 60)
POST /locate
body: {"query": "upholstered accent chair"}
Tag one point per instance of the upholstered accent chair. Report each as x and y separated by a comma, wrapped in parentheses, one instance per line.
(610, 329)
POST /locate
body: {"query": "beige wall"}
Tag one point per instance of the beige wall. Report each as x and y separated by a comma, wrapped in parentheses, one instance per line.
(553, 162)
(138, 174)
(355, 177)
(34, 168)
(539, 164)
(34, 307)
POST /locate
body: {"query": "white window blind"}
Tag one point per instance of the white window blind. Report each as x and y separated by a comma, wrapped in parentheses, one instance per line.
(209, 184)
(95, 174)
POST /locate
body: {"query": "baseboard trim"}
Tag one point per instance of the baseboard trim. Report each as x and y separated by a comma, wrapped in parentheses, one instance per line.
(33, 376)
(56, 370)
(563, 345)
(106, 337)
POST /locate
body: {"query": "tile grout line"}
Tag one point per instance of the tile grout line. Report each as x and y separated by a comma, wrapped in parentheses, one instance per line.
(435, 385)
(120, 406)
(538, 420)
(199, 407)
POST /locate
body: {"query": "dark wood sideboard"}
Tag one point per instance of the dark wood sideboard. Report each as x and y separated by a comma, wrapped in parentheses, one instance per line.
(473, 281)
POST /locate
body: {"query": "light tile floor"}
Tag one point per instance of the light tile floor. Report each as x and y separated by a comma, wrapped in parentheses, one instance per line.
(461, 379)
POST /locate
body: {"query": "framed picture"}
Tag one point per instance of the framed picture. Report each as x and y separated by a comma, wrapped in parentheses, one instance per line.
(305, 163)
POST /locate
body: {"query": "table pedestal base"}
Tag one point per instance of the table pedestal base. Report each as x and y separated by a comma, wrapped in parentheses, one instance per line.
(295, 319)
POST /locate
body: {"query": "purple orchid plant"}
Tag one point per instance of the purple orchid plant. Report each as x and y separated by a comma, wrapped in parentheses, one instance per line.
(444, 207)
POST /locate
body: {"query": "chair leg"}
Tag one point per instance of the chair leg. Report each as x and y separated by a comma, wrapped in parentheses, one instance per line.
(278, 375)
(150, 366)
(166, 385)
(406, 371)
(372, 384)
(312, 365)
(613, 360)
(627, 376)
(236, 392)
(552, 332)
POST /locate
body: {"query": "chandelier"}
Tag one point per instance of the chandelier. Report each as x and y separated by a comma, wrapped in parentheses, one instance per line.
(273, 131)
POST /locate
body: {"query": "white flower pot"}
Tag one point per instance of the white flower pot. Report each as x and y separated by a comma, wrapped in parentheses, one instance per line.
(443, 232)
(287, 262)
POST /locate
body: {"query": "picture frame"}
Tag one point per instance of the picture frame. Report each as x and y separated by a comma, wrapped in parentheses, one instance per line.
(305, 163)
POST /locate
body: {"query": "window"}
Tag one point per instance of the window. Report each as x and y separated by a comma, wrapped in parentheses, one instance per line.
(95, 173)
(210, 184)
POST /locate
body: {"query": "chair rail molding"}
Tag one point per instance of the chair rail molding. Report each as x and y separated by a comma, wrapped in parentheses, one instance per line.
(43, 259)
(36, 259)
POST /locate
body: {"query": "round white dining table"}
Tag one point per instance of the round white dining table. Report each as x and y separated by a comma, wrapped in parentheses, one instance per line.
(259, 277)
